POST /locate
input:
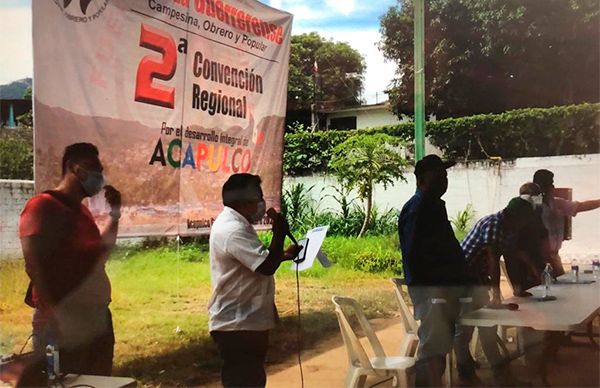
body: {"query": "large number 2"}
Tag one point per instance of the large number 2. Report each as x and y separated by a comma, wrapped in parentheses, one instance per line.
(150, 68)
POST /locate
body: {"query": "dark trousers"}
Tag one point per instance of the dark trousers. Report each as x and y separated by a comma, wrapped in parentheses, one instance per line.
(243, 354)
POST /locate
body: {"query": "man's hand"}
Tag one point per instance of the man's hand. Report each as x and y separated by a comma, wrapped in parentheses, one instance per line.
(291, 252)
(113, 197)
(280, 224)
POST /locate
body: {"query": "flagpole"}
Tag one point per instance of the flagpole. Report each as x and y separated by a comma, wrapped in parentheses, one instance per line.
(419, 75)
(314, 121)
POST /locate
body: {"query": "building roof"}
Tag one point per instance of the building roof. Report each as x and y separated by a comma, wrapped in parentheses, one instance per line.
(378, 106)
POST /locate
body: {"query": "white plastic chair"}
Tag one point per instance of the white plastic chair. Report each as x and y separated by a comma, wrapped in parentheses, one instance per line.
(410, 340)
(361, 365)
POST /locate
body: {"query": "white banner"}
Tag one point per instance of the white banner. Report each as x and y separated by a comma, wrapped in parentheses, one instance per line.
(176, 94)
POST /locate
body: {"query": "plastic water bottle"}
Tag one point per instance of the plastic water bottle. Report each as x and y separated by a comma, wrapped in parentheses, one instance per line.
(575, 270)
(52, 362)
(547, 280)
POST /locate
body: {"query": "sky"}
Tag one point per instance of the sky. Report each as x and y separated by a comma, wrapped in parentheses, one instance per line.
(351, 21)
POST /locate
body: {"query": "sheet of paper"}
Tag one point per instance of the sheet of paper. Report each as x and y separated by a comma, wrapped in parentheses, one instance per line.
(315, 239)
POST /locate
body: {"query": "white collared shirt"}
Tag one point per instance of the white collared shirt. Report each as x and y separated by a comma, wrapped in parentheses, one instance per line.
(242, 298)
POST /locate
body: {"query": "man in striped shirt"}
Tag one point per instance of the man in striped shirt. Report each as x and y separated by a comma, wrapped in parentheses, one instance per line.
(483, 246)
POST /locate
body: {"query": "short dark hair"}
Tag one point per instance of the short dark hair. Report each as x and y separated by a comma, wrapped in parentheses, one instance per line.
(544, 178)
(78, 152)
(241, 188)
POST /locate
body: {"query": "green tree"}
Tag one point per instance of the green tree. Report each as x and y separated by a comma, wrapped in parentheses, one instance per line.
(339, 79)
(362, 161)
(25, 120)
(28, 93)
(16, 155)
(486, 56)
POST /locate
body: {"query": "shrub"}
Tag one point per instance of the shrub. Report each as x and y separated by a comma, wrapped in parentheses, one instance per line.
(561, 130)
(16, 154)
(462, 220)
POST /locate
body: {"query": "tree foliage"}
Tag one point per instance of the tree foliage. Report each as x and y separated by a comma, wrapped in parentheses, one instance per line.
(28, 93)
(16, 154)
(362, 161)
(495, 55)
(339, 77)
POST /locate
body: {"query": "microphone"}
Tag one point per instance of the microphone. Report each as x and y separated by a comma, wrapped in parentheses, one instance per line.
(272, 213)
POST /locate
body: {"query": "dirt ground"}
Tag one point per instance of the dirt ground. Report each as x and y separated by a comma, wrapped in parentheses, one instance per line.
(575, 365)
(326, 364)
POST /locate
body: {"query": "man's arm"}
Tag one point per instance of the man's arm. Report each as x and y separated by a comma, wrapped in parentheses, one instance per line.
(493, 261)
(276, 253)
(588, 205)
(35, 248)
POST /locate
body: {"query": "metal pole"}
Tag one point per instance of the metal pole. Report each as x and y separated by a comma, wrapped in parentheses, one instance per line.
(11, 117)
(419, 69)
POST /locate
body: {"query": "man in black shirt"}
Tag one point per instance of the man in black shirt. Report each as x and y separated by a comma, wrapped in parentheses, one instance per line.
(434, 268)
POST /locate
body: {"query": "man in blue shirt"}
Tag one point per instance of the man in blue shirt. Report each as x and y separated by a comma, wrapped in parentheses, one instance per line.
(434, 268)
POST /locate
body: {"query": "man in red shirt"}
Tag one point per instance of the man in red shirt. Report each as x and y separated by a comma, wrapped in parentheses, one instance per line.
(65, 253)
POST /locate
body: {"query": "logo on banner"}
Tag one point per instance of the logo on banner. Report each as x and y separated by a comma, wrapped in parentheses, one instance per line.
(82, 11)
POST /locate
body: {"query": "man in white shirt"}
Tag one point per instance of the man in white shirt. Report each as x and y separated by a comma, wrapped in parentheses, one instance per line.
(554, 211)
(242, 307)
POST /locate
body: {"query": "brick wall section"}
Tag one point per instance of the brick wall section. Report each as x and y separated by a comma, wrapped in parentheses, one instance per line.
(13, 196)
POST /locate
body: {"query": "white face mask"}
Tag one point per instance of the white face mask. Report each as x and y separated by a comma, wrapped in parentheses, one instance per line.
(261, 209)
(534, 200)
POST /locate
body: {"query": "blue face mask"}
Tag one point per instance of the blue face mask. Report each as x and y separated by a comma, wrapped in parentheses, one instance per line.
(93, 183)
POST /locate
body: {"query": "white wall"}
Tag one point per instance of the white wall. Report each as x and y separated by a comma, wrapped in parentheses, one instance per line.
(486, 185)
(489, 186)
(13, 195)
(367, 118)
(375, 118)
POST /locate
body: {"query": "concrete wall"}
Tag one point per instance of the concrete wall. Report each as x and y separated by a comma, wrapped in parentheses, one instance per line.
(367, 117)
(488, 186)
(13, 195)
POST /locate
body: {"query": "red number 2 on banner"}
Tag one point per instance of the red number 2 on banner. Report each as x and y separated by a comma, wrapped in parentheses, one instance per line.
(150, 68)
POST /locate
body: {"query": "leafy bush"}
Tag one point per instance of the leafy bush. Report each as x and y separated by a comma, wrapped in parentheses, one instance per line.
(16, 154)
(561, 130)
(462, 220)
(296, 203)
(346, 219)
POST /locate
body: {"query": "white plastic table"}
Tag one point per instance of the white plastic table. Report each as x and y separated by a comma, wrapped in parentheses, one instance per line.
(575, 306)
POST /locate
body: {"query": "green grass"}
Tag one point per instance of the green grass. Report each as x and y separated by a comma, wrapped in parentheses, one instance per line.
(156, 290)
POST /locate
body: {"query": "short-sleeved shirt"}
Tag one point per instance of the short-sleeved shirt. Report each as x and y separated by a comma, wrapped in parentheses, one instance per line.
(431, 254)
(487, 232)
(553, 215)
(72, 262)
(242, 298)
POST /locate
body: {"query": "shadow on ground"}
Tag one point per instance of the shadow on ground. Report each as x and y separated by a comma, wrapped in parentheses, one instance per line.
(198, 363)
